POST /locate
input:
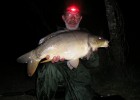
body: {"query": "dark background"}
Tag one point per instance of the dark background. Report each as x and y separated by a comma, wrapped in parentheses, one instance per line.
(25, 22)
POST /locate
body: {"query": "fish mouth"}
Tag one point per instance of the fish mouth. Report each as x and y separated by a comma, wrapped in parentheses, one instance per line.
(106, 44)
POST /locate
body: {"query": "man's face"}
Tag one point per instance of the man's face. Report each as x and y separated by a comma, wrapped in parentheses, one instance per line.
(72, 20)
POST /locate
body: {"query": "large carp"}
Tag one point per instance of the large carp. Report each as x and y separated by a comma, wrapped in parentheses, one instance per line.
(71, 45)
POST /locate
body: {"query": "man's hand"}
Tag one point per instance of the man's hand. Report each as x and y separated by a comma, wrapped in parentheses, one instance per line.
(55, 58)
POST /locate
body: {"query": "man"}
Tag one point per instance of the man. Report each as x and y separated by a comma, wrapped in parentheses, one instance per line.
(55, 76)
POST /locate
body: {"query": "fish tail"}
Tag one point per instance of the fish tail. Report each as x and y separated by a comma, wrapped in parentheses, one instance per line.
(31, 61)
(32, 66)
(25, 58)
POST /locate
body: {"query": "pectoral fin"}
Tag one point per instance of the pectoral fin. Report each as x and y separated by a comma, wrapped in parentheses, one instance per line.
(88, 55)
(32, 65)
(73, 63)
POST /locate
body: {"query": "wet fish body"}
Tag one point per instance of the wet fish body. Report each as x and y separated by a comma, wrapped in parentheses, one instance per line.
(71, 45)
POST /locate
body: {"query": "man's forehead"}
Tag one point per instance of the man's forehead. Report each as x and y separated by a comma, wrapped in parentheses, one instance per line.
(73, 13)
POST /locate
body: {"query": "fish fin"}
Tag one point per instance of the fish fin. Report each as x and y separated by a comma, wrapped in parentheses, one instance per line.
(51, 35)
(32, 65)
(25, 58)
(69, 65)
(73, 63)
(41, 41)
(88, 55)
(44, 61)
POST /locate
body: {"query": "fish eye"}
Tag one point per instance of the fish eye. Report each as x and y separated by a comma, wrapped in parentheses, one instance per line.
(100, 38)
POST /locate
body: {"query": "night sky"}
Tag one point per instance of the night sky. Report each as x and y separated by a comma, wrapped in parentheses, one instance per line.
(27, 21)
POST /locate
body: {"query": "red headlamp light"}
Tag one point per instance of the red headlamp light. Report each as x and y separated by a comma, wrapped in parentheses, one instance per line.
(73, 9)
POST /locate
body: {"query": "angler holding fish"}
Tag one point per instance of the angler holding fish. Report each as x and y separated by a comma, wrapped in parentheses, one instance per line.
(57, 60)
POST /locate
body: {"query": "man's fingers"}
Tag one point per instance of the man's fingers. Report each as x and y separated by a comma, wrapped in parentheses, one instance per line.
(56, 59)
(53, 60)
(62, 59)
